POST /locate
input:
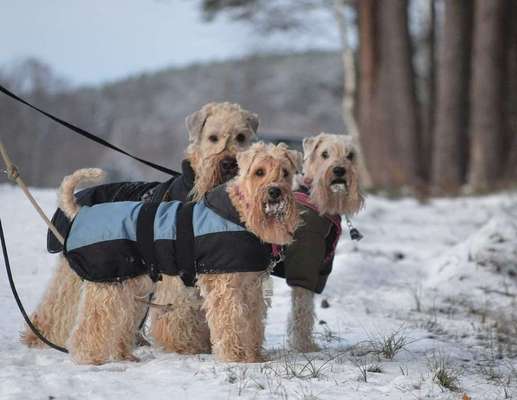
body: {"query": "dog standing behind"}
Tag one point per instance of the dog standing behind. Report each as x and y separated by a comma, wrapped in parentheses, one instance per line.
(256, 207)
(328, 188)
(217, 132)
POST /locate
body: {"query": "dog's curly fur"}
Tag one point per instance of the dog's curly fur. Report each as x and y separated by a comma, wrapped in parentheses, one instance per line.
(181, 327)
(216, 132)
(234, 303)
(105, 325)
(234, 129)
(321, 154)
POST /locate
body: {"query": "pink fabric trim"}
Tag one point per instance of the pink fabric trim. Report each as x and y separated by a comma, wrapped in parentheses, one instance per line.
(276, 250)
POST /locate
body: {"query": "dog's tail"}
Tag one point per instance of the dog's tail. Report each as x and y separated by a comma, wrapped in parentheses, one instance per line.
(67, 201)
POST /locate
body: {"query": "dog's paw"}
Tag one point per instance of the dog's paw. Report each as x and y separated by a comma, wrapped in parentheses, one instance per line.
(129, 357)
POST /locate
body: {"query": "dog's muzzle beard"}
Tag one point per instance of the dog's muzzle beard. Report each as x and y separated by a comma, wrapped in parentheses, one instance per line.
(338, 181)
(275, 203)
(339, 185)
(272, 215)
(212, 171)
(336, 194)
(228, 168)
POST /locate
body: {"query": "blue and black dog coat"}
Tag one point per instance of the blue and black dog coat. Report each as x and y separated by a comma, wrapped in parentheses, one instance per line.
(176, 188)
(112, 242)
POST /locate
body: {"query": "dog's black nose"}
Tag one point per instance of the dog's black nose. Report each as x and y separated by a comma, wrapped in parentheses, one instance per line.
(228, 163)
(274, 193)
(339, 171)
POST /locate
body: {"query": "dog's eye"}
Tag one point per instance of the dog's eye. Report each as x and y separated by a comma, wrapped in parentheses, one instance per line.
(213, 138)
(285, 173)
(259, 172)
(241, 138)
(351, 156)
(325, 155)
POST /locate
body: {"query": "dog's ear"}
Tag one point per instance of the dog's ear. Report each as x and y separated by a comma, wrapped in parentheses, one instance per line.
(310, 144)
(252, 121)
(196, 121)
(296, 158)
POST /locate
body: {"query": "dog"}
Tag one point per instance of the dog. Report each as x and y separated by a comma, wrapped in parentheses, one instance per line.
(328, 188)
(233, 302)
(119, 249)
(216, 132)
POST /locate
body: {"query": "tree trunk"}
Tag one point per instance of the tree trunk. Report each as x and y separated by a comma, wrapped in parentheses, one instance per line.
(429, 105)
(510, 173)
(487, 91)
(349, 92)
(388, 110)
(451, 118)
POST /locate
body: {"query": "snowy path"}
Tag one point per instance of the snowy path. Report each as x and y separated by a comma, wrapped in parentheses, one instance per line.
(412, 253)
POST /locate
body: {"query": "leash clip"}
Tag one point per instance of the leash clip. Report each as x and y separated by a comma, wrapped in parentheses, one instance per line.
(12, 172)
(354, 232)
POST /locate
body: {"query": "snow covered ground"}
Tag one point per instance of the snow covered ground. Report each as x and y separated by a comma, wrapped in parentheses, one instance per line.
(439, 279)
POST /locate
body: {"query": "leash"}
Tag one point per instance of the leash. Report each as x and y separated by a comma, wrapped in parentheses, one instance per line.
(17, 298)
(88, 135)
(14, 175)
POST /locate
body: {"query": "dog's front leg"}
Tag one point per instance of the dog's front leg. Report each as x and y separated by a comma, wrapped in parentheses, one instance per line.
(182, 327)
(301, 321)
(233, 304)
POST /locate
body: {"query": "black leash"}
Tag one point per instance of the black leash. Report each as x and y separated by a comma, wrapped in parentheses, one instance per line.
(17, 298)
(89, 135)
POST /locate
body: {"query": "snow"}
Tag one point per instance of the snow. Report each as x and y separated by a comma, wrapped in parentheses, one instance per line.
(440, 276)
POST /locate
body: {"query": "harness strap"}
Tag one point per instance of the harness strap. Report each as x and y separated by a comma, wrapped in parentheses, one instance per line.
(89, 135)
(145, 238)
(185, 244)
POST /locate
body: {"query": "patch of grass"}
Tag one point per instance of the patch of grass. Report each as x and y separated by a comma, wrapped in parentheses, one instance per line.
(389, 346)
(366, 367)
(239, 377)
(444, 374)
(300, 366)
(328, 336)
(363, 370)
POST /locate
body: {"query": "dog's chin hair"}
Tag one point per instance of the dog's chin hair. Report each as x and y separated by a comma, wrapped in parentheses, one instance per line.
(208, 173)
(269, 230)
(334, 203)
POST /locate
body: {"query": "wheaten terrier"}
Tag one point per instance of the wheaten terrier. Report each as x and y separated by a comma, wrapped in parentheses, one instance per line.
(217, 133)
(328, 188)
(119, 249)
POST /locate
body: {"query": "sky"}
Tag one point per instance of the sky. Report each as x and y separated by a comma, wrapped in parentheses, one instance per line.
(96, 41)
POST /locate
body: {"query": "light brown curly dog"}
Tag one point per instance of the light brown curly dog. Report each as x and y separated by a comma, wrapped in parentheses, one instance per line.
(109, 310)
(234, 302)
(217, 132)
(330, 176)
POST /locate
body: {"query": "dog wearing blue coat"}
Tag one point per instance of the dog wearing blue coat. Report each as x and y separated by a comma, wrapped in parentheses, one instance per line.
(124, 251)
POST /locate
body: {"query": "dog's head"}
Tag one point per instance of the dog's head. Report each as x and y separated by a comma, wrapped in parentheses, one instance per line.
(330, 171)
(217, 133)
(262, 191)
